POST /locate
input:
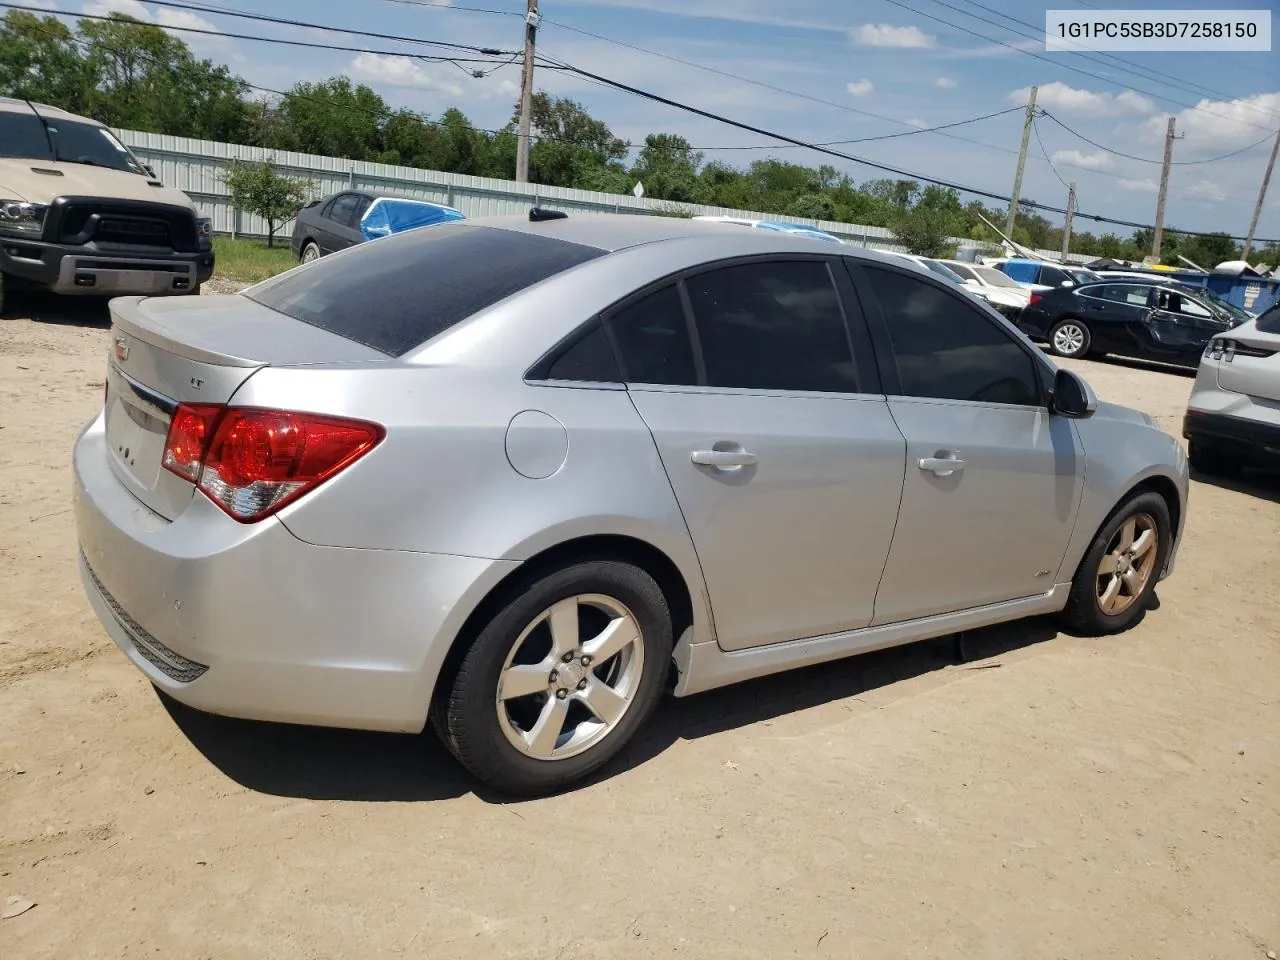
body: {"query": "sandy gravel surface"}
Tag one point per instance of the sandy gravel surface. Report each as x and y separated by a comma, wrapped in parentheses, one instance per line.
(1058, 798)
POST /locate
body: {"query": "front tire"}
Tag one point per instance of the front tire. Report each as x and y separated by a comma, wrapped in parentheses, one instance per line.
(1118, 574)
(1070, 338)
(560, 679)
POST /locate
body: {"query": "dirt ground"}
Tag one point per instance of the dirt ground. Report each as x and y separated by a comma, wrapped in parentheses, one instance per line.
(1088, 798)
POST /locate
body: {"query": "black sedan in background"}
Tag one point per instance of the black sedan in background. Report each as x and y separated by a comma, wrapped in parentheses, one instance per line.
(1168, 322)
(329, 225)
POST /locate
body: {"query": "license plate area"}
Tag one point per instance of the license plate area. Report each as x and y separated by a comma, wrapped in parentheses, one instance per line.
(137, 425)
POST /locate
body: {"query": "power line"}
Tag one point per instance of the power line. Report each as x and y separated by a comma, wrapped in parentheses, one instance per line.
(883, 136)
(1127, 66)
(784, 138)
(1036, 130)
(276, 40)
(1066, 66)
(220, 11)
(1175, 163)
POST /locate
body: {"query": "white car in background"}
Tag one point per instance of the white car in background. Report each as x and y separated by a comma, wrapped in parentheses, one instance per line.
(942, 270)
(1233, 416)
(1006, 295)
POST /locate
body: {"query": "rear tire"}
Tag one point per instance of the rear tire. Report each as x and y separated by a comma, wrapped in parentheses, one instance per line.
(1119, 571)
(1212, 460)
(560, 679)
(1070, 338)
(310, 252)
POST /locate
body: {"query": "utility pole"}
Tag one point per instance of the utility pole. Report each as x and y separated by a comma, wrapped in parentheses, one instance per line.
(1158, 239)
(526, 93)
(1066, 227)
(1022, 162)
(1262, 195)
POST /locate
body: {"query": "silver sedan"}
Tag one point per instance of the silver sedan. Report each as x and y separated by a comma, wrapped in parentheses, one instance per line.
(518, 477)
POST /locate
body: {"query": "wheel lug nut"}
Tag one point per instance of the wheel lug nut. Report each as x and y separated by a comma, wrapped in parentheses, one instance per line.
(582, 684)
(586, 661)
(567, 657)
(555, 675)
(561, 694)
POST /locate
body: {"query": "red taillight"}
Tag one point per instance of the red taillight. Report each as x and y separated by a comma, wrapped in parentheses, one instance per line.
(251, 462)
(188, 441)
(1035, 298)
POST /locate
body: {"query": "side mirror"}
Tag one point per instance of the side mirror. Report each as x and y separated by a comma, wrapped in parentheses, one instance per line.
(1072, 396)
(1067, 283)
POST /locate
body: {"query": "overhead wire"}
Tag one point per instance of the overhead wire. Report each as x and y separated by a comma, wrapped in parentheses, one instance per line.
(1064, 66)
(1176, 163)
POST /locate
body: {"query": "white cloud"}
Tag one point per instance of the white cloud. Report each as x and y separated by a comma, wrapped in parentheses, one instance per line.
(166, 18)
(994, 50)
(400, 72)
(1090, 161)
(1206, 190)
(1067, 99)
(915, 122)
(860, 88)
(945, 83)
(1219, 126)
(41, 4)
(885, 35)
(1146, 185)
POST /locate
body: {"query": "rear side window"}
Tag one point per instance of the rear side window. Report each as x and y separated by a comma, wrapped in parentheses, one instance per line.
(397, 292)
(946, 349)
(773, 326)
(1269, 320)
(342, 208)
(653, 338)
(589, 359)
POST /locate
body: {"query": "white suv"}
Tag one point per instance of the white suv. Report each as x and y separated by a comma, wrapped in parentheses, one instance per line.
(1233, 417)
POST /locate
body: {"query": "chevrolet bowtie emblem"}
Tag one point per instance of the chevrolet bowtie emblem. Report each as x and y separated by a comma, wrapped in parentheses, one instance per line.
(122, 349)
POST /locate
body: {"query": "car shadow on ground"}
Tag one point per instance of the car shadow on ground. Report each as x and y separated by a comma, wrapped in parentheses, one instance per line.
(324, 764)
(42, 307)
(1261, 484)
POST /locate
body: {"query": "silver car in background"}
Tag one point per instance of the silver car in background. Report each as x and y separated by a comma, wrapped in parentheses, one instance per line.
(581, 461)
(1233, 416)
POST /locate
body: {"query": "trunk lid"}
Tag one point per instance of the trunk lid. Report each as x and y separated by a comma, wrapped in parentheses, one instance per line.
(164, 351)
(1254, 364)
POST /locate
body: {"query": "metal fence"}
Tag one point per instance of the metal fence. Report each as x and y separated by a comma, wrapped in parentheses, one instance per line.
(194, 167)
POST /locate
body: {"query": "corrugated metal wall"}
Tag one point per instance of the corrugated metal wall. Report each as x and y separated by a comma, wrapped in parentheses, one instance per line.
(193, 167)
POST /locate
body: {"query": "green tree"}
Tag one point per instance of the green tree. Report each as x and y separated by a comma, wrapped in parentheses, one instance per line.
(668, 168)
(812, 206)
(259, 189)
(40, 61)
(334, 118)
(570, 143)
(1209, 249)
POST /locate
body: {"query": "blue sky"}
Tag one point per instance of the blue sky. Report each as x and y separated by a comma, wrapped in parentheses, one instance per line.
(882, 67)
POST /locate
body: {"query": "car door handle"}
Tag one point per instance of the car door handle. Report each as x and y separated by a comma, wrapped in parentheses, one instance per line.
(723, 459)
(942, 466)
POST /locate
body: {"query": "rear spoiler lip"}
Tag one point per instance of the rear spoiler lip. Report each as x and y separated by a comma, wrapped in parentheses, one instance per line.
(128, 316)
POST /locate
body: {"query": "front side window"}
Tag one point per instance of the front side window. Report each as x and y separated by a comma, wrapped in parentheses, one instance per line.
(947, 350)
(773, 326)
(1125, 293)
(342, 208)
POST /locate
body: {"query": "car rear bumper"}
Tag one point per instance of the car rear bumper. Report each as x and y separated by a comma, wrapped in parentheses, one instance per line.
(1253, 440)
(249, 621)
(84, 269)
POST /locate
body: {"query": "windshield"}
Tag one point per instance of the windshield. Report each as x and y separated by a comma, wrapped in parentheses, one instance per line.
(994, 278)
(1228, 308)
(942, 270)
(25, 135)
(1084, 276)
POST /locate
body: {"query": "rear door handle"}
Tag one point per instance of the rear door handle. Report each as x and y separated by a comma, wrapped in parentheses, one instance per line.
(942, 466)
(723, 459)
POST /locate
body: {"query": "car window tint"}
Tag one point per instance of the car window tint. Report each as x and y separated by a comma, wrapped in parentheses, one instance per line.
(23, 135)
(342, 209)
(653, 338)
(380, 295)
(362, 207)
(1269, 320)
(947, 350)
(1118, 292)
(772, 326)
(589, 358)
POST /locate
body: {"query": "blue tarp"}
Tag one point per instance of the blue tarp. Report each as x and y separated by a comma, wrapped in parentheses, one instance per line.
(387, 215)
(799, 229)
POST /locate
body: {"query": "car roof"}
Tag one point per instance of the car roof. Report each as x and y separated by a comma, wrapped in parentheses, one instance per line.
(14, 105)
(611, 232)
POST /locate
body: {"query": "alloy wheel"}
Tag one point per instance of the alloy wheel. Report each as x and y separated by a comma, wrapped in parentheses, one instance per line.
(1127, 565)
(1069, 339)
(570, 677)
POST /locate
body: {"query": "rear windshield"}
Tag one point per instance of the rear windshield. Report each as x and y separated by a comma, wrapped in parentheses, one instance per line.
(397, 292)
